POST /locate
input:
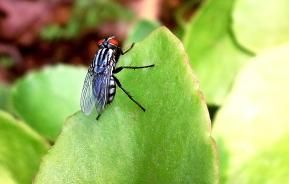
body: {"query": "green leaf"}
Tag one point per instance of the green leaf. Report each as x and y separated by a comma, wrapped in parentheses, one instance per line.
(4, 95)
(261, 24)
(21, 150)
(140, 30)
(272, 163)
(5, 177)
(45, 98)
(169, 143)
(87, 14)
(255, 118)
(6, 62)
(214, 55)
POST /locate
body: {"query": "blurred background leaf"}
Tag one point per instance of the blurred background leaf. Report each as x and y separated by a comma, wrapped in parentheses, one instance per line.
(4, 96)
(127, 145)
(214, 54)
(254, 121)
(87, 14)
(261, 24)
(21, 150)
(5, 62)
(45, 98)
(270, 162)
(140, 30)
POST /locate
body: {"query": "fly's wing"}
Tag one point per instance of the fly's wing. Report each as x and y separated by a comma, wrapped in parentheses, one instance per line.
(96, 84)
(100, 89)
(95, 91)
(88, 99)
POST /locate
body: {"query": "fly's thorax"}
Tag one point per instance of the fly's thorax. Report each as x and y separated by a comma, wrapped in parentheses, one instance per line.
(104, 55)
(103, 58)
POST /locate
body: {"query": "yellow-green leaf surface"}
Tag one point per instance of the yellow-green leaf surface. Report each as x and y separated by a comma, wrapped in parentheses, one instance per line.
(214, 55)
(261, 24)
(45, 98)
(169, 143)
(5, 177)
(21, 150)
(255, 119)
(271, 163)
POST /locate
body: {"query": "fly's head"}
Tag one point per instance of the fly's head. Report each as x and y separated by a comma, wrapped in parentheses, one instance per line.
(109, 42)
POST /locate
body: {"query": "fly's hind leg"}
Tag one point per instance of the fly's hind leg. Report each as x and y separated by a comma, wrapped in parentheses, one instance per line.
(127, 93)
(124, 52)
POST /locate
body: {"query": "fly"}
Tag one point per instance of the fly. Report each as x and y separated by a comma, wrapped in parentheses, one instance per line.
(100, 82)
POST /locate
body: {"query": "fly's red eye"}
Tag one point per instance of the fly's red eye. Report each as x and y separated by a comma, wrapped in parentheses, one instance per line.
(100, 42)
(113, 41)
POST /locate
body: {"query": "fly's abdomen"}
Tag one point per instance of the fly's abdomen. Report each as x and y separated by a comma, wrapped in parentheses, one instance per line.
(111, 90)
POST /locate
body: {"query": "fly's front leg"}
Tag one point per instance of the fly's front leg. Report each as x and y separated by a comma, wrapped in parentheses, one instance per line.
(118, 69)
(131, 46)
(127, 93)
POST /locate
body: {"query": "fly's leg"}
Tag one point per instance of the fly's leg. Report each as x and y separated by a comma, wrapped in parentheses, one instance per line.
(131, 46)
(118, 69)
(127, 93)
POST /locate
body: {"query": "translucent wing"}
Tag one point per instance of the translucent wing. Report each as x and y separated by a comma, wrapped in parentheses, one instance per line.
(88, 99)
(100, 90)
(95, 91)
(96, 84)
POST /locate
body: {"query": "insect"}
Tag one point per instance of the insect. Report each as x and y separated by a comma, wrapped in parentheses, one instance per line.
(100, 82)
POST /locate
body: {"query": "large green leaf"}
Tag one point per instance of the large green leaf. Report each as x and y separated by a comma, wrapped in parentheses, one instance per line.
(20, 151)
(169, 143)
(261, 24)
(44, 99)
(213, 52)
(255, 119)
